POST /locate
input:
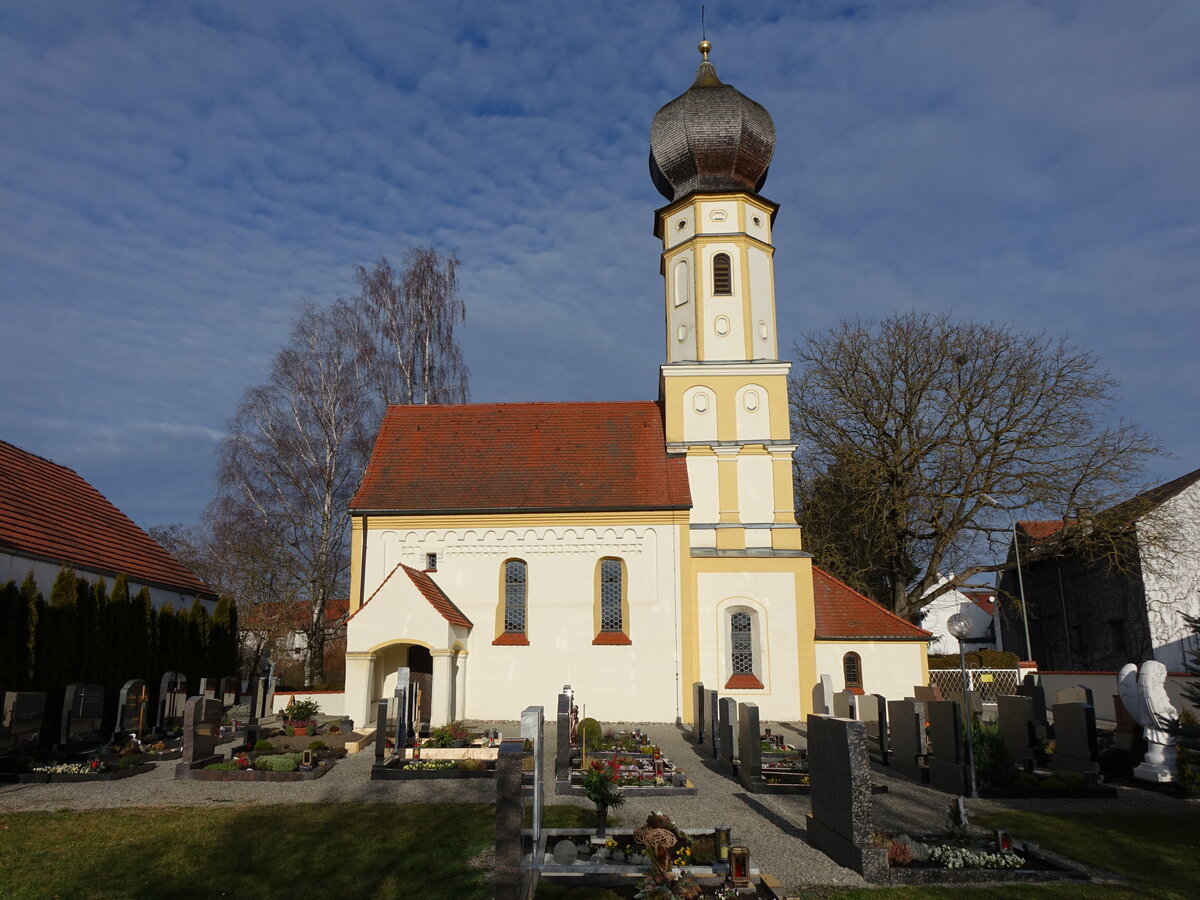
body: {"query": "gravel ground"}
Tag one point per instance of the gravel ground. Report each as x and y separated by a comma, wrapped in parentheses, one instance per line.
(771, 826)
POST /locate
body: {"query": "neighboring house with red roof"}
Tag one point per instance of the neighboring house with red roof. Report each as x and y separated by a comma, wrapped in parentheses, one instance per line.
(629, 549)
(279, 631)
(51, 517)
(1085, 616)
(977, 604)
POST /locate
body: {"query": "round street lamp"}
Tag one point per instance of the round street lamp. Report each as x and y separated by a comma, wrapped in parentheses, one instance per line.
(959, 627)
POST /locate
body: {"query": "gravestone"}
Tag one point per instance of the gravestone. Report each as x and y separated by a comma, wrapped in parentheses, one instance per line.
(1017, 728)
(844, 705)
(749, 746)
(947, 764)
(510, 878)
(927, 693)
(1126, 725)
(229, 691)
(402, 705)
(269, 694)
(1076, 693)
(381, 717)
(873, 713)
(1076, 749)
(533, 729)
(172, 695)
(698, 731)
(201, 734)
(82, 718)
(1034, 691)
(840, 825)
(727, 722)
(909, 746)
(21, 724)
(711, 713)
(562, 746)
(823, 696)
(132, 704)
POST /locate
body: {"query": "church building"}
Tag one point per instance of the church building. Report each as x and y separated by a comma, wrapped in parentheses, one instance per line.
(628, 549)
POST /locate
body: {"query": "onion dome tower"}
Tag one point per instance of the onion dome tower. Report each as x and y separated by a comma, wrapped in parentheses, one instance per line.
(723, 387)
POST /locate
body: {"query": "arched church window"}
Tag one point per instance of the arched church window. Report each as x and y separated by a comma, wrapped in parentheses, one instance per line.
(722, 270)
(514, 589)
(744, 657)
(612, 604)
(852, 671)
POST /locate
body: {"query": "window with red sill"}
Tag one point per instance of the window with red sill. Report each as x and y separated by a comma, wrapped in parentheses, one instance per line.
(741, 652)
(515, 586)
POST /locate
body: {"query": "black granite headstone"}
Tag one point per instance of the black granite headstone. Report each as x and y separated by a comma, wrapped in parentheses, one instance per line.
(711, 714)
(132, 704)
(727, 725)
(172, 695)
(947, 768)
(1015, 718)
(872, 712)
(201, 734)
(906, 719)
(83, 717)
(1076, 748)
(21, 724)
(749, 745)
(698, 730)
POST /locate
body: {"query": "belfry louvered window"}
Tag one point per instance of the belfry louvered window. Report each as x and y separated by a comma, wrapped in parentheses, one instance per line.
(610, 595)
(722, 271)
(514, 596)
(741, 644)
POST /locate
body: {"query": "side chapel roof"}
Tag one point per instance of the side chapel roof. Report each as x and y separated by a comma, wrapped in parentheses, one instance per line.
(842, 613)
(522, 457)
(49, 512)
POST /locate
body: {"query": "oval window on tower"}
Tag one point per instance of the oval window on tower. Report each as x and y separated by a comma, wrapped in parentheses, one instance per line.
(751, 400)
(722, 325)
(682, 333)
(700, 402)
(683, 282)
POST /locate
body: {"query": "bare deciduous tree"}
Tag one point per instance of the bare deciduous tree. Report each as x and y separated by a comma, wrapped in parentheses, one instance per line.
(919, 436)
(411, 317)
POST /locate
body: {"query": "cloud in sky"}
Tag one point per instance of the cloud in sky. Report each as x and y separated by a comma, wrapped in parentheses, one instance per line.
(175, 179)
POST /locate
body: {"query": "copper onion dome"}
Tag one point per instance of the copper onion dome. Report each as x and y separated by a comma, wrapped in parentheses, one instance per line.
(710, 138)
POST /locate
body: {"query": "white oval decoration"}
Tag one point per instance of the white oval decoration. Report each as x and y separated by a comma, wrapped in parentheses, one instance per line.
(700, 402)
(722, 325)
(762, 330)
(717, 215)
(682, 333)
(751, 400)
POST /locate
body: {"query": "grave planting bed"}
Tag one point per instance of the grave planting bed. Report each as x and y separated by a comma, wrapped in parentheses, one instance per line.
(637, 777)
(1037, 865)
(104, 774)
(198, 772)
(398, 769)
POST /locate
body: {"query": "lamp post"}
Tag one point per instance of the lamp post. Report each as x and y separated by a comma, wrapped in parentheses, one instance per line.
(959, 627)
(1020, 578)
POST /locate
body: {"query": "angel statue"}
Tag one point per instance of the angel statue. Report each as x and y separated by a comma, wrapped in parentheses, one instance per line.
(1146, 699)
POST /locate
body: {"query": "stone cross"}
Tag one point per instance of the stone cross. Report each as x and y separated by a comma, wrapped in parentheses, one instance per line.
(840, 825)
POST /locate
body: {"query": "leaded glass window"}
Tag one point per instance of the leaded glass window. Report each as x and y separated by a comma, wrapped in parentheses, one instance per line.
(852, 670)
(514, 596)
(741, 642)
(610, 595)
(722, 274)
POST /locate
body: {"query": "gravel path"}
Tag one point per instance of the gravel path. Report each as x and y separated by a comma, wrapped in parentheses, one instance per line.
(771, 826)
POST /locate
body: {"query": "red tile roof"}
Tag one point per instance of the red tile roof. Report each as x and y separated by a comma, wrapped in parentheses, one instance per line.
(264, 615)
(498, 457)
(844, 613)
(437, 597)
(984, 598)
(1039, 531)
(48, 512)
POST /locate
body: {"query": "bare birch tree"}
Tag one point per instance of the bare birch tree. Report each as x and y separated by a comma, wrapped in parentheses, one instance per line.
(920, 437)
(411, 316)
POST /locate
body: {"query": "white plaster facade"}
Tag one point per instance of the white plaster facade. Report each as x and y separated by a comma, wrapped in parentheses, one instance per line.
(16, 568)
(1171, 579)
(941, 608)
(890, 668)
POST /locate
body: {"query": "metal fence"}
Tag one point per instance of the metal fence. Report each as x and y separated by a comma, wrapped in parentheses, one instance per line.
(989, 683)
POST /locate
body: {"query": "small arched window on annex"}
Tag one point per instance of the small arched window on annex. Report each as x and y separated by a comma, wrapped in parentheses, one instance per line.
(611, 611)
(511, 612)
(722, 274)
(852, 672)
(744, 654)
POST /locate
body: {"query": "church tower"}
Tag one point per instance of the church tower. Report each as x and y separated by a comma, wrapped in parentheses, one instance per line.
(723, 386)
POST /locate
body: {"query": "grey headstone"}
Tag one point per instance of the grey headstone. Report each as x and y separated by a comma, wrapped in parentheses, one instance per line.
(172, 695)
(841, 822)
(509, 813)
(727, 720)
(381, 716)
(201, 734)
(909, 747)
(402, 704)
(229, 691)
(562, 740)
(947, 769)
(21, 725)
(872, 712)
(132, 705)
(823, 696)
(927, 693)
(711, 714)
(1015, 715)
(1076, 693)
(749, 746)
(533, 729)
(83, 716)
(1034, 692)
(844, 705)
(698, 731)
(1076, 749)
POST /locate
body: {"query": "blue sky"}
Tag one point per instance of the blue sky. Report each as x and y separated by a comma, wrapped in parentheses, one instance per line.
(176, 178)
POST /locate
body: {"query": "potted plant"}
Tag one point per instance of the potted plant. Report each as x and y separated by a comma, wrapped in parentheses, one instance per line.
(299, 713)
(600, 786)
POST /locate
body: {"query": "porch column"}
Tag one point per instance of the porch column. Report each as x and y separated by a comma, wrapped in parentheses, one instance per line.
(360, 676)
(443, 689)
(460, 685)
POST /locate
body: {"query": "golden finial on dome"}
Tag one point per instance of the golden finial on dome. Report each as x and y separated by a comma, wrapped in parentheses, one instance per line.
(704, 47)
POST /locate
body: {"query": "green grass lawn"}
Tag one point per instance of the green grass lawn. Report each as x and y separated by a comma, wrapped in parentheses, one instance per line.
(431, 851)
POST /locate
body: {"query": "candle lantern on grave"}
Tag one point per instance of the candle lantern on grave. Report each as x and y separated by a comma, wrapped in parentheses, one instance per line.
(739, 865)
(723, 844)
